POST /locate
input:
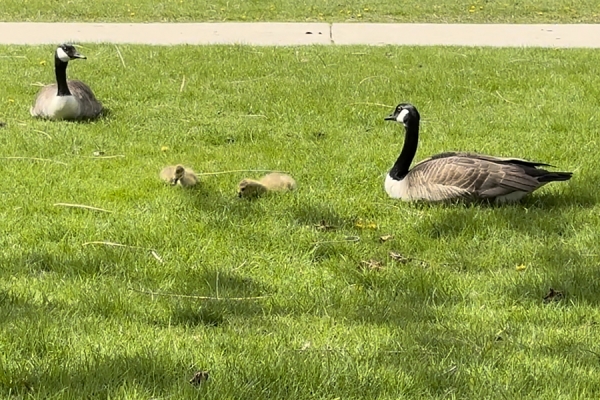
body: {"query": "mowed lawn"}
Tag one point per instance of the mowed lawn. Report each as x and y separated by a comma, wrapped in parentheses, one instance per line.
(444, 11)
(458, 312)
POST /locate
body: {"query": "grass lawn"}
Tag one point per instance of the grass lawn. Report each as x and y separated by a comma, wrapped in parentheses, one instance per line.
(463, 317)
(505, 11)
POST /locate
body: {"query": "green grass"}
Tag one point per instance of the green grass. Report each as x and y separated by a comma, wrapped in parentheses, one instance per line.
(505, 11)
(463, 323)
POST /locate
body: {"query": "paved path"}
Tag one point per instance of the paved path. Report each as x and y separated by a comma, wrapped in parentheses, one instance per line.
(281, 34)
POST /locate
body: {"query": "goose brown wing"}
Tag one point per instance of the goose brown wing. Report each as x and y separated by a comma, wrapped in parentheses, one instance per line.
(502, 160)
(471, 177)
(90, 106)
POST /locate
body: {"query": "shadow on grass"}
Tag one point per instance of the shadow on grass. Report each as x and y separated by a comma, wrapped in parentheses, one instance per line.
(197, 297)
(14, 307)
(213, 297)
(563, 269)
(104, 114)
(538, 216)
(46, 262)
(103, 376)
(320, 216)
(206, 198)
(576, 196)
(400, 295)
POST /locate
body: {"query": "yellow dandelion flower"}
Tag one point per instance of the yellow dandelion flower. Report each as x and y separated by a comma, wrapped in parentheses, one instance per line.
(360, 224)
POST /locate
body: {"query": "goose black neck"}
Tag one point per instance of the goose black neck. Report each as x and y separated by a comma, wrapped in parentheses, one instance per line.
(60, 68)
(411, 141)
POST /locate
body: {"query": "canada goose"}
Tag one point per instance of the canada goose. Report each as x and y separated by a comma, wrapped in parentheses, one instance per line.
(459, 175)
(66, 99)
(178, 174)
(274, 181)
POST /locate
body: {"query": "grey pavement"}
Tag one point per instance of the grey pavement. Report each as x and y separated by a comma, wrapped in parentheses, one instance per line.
(296, 33)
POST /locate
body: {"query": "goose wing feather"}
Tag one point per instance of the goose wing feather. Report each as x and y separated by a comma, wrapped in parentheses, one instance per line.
(458, 176)
(90, 106)
(510, 160)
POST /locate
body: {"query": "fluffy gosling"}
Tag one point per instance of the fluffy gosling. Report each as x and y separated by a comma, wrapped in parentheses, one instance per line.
(274, 181)
(179, 175)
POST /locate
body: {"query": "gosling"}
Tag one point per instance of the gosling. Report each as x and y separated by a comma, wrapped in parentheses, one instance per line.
(179, 175)
(273, 182)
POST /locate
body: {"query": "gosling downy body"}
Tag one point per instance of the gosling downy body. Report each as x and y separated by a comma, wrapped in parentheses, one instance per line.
(454, 176)
(274, 181)
(179, 175)
(66, 99)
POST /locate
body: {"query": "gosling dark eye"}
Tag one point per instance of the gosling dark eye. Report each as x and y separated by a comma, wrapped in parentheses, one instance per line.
(242, 189)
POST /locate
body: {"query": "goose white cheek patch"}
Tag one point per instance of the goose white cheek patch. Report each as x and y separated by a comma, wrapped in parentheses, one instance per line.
(62, 55)
(400, 117)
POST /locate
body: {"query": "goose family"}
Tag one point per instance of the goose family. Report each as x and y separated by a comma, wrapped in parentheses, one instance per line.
(274, 181)
(443, 177)
(64, 99)
(458, 175)
(179, 175)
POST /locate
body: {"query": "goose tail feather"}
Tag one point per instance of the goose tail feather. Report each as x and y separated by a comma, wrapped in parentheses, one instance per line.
(555, 176)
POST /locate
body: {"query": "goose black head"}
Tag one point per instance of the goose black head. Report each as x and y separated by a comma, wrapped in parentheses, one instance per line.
(405, 113)
(66, 52)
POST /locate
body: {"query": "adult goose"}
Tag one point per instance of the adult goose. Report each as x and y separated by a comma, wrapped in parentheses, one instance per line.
(460, 176)
(66, 99)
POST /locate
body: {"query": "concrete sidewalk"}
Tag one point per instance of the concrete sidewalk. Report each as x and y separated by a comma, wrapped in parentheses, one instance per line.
(292, 34)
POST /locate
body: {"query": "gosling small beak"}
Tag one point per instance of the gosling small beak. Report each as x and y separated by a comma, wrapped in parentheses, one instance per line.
(390, 117)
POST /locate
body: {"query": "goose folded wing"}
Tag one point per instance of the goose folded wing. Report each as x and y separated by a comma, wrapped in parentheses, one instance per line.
(483, 157)
(508, 160)
(90, 106)
(458, 176)
(437, 179)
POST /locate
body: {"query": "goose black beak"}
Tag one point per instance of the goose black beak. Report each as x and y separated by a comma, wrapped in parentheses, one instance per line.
(78, 55)
(390, 118)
